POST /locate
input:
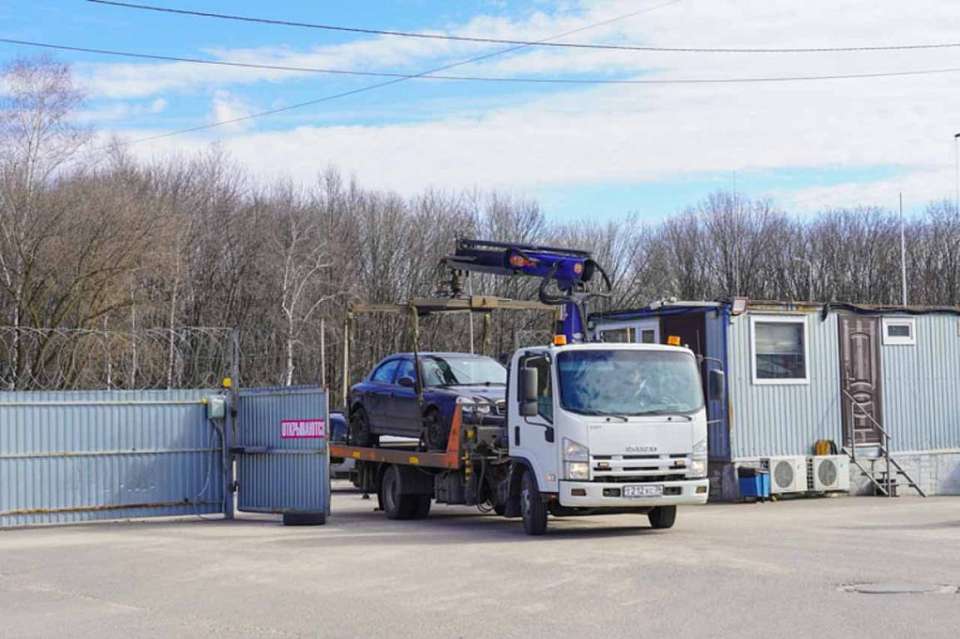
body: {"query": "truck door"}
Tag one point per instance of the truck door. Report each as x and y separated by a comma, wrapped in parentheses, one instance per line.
(534, 438)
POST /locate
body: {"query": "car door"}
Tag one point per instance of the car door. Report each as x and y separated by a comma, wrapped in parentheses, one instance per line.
(403, 407)
(377, 396)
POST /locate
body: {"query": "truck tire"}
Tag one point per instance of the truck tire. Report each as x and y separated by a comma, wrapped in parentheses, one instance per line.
(394, 504)
(662, 516)
(532, 508)
(360, 433)
(422, 509)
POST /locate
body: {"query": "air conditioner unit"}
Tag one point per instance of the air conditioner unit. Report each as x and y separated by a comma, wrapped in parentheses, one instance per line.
(787, 474)
(830, 472)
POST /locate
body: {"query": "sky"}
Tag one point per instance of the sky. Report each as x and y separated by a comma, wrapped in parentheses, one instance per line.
(583, 151)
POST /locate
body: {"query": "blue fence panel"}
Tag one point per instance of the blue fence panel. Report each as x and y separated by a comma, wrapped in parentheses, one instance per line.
(71, 456)
(284, 463)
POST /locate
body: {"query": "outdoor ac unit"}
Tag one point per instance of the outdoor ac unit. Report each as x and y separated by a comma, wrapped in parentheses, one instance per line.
(788, 474)
(830, 472)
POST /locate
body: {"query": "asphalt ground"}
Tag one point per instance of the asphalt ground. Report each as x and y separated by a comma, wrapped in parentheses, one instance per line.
(747, 570)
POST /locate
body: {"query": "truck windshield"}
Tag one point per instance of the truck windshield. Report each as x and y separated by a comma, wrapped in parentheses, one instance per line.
(462, 371)
(629, 382)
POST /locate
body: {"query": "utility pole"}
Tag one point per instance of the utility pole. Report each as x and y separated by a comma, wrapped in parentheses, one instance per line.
(903, 255)
(956, 159)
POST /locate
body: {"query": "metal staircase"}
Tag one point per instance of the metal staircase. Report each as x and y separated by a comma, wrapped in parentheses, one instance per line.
(886, 479)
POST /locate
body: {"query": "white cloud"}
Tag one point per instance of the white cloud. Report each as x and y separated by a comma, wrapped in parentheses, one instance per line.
(633, 133)
(227, 108)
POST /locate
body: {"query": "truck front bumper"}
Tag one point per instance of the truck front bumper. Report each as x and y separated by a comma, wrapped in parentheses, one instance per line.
(589, 494)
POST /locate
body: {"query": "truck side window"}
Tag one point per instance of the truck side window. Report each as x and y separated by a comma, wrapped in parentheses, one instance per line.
(544, 384)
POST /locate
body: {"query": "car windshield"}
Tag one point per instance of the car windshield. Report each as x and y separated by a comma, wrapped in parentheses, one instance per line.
(629, 382)
(462, 371)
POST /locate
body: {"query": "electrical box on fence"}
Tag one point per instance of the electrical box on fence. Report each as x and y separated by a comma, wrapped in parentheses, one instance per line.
(216, 407)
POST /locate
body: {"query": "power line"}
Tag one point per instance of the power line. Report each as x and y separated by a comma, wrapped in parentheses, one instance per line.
(380, 85)
(472, 78)
(526, 43)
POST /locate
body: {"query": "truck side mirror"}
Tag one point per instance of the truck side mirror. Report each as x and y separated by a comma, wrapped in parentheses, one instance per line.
(406, 382)
(528, 391)
(715, 384)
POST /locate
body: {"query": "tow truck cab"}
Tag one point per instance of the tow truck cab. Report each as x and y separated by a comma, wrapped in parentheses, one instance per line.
(609, 426)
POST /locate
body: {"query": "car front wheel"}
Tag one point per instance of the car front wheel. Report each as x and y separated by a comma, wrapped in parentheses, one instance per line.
(360, 432)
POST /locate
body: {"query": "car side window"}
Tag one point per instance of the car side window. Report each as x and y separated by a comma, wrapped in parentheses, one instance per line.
(384, 374)
(544, 384)
(406, 369)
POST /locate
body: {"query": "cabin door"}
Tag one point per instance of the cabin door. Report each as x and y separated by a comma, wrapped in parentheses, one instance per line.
(860, 380)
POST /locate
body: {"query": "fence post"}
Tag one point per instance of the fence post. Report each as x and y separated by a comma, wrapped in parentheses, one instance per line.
(230, 425)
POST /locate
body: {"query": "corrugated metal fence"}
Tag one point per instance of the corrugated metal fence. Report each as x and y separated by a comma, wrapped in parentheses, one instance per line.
(71, 456)
(86, 455)
(284, 461)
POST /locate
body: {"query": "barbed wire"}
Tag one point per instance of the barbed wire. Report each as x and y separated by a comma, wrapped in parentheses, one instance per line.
(68, 359)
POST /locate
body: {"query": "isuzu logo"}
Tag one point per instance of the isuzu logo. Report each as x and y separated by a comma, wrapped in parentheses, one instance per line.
(641, 449)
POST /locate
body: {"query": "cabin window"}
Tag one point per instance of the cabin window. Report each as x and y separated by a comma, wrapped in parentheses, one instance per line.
(619, 335)
(899, 331)
(780, 353)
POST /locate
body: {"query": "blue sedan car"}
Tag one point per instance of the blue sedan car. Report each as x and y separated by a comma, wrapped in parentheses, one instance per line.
(385, 403)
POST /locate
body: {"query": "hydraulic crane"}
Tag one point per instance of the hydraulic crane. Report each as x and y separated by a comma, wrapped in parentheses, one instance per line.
(571, 271)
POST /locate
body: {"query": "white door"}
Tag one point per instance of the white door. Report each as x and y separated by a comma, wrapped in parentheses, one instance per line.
(534, 438)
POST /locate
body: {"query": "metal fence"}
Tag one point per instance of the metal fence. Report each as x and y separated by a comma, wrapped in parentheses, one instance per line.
(284, 464)
(87, 455)
(71, 456)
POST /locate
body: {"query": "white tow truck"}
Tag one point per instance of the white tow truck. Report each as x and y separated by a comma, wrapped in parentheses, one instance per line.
(585, 427)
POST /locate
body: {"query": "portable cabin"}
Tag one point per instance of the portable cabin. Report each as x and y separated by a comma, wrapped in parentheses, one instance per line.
(867, 381)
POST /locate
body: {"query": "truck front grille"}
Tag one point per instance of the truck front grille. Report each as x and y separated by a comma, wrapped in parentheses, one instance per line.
(639, 468)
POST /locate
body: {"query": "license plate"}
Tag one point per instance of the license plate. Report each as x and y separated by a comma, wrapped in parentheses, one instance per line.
(643, 490)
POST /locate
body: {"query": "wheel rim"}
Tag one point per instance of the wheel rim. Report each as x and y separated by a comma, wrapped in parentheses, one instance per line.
(525, 501)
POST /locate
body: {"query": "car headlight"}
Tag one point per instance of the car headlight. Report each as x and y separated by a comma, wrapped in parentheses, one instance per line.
(483, 407)
(574, 452)
(576, 470)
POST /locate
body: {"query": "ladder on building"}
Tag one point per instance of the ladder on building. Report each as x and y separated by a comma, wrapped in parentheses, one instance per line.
(886, 480)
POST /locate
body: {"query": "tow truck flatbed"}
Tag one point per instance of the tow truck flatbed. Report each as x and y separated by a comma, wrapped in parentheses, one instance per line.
(408, 455)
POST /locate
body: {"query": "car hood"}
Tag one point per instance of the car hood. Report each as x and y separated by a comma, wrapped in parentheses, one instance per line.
(491, 393)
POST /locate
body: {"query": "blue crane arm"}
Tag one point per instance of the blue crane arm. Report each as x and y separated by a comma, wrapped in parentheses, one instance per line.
(570, 269)
(567, 267)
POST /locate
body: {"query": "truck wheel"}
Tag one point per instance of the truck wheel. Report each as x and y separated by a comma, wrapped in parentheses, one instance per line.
(360, 433)
(395, 505)
(532, 508)
(663, 516)
(436, 433)
(422, 509)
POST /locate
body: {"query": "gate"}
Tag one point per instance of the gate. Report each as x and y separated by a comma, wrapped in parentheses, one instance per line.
(283, 464)
(72, 456)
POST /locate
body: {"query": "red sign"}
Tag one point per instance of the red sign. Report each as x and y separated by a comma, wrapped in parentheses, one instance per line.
(302, 429)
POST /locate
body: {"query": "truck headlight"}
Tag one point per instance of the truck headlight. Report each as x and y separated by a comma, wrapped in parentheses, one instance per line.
(574, 452)
(700, 448)
(576, 470)
(698, 468)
